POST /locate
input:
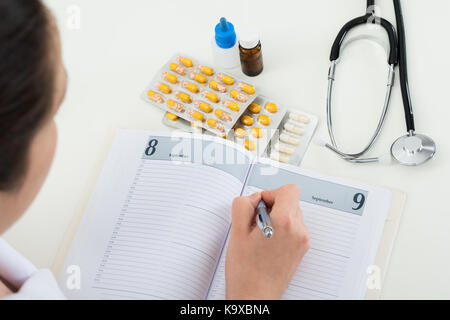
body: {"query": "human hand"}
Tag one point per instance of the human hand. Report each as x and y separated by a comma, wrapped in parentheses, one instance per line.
(258, 267)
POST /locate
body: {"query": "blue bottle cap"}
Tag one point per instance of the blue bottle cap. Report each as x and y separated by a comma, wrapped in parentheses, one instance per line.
(225, 34)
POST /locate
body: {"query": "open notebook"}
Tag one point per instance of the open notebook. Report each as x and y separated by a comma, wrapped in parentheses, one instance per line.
(157, 223)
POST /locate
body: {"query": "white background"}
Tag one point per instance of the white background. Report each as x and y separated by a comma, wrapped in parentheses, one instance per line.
(121, 44)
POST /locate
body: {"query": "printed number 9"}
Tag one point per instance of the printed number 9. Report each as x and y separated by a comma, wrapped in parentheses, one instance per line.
(359, 199)
(151, 147)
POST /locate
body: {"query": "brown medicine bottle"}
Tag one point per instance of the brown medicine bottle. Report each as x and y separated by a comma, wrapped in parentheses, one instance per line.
(250, 52)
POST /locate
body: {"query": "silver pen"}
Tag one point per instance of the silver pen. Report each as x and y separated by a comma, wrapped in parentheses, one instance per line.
(263, 219)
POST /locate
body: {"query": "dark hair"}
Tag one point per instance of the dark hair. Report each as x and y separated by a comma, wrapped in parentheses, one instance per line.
(26, 83)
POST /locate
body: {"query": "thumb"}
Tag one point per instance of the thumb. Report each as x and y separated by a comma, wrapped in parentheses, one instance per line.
(243, 212)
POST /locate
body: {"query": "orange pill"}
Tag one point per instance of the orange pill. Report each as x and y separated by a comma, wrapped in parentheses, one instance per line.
(222, 115)
(254, 108)
(249, 145)
(177, 68)
(264, 120)
(247, 120)
(203, 106)
(155, 96)
(201, 78)
(190, 86)
(231, 105)
(170, 77)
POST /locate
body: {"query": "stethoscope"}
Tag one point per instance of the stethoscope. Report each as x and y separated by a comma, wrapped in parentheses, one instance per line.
(412, 149)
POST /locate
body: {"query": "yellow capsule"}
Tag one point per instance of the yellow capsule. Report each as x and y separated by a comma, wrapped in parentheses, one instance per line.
(171, 116)
(203, 106)
(210, 95)
(196, 115)
(216, 124)
(175, 106)
(183, 96)
(246, 88)
(231, 105)
(222, 115)
(264, 120)
(186, 61)
(213, 84)
(271, 107)
(257, 133)
(164, 87)
(254, 108)
(190, 86)
(177, 68)
(155, 96)
(240, 133)
(170, 77)
(247, 120)
(225, 79)
(201, 78)
(249, 145)
(206, 70)
(239, 96)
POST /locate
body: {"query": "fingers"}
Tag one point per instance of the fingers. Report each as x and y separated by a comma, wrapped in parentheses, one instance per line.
(243, 211)
(284, 199)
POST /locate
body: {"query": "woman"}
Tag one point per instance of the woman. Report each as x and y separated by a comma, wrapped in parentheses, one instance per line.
(32, 87)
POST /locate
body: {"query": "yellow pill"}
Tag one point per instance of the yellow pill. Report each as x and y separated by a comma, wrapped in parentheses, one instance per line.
(240, 133)
(264, 120)
(206, 70)
(231, 105)
(183, 96)
(249, 145)
(271, 107)
(254, 108)
(155, 96)
(190, 86)
(217, 86)
(246, 88)
(164, 88)
(210, 95)
(257, 132)
(238, 96)
(225, 79)
(196, 115)
(198, 77)
(222, 115)
(203, 106)
(170, 77)
(216, 124)
(175, 106)
(177, 68)
(186, 61)
(171, 116)
(247, 120)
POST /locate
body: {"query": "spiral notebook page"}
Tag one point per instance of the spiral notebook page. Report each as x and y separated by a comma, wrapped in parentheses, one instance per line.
(154, 229)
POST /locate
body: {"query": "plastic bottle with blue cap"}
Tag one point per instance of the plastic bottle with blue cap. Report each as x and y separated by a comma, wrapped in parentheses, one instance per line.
(225, 45)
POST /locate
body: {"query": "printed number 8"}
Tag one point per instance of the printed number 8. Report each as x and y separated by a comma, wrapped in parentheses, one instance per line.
(151, 147)
(359, 199)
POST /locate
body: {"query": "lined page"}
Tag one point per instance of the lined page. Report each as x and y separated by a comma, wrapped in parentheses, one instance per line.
(154, 231)
(344, 235)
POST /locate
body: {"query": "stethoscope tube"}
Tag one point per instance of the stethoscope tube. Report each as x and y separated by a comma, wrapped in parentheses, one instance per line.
(412, 149)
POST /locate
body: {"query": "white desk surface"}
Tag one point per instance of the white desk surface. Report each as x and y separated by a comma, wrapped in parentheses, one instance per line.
(121, 44)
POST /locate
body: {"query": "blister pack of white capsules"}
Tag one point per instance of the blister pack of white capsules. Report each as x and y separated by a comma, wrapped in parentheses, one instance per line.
(172, 120)
(291, 142)
(258, 124)
(214, 100)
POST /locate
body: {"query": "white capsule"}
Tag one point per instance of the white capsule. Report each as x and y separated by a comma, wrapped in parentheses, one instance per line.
(284, 148)
(286, 138)
(299, 118)
(277, 156)
(293, 129)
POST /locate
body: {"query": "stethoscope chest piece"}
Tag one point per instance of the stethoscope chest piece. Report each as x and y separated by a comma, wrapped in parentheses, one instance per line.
(413, 149)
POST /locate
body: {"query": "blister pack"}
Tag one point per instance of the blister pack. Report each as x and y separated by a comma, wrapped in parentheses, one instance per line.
(294, 135)
(258, 124)
(212, 99)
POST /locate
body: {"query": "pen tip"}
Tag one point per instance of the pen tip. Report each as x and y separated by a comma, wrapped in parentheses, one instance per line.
(268, 232)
